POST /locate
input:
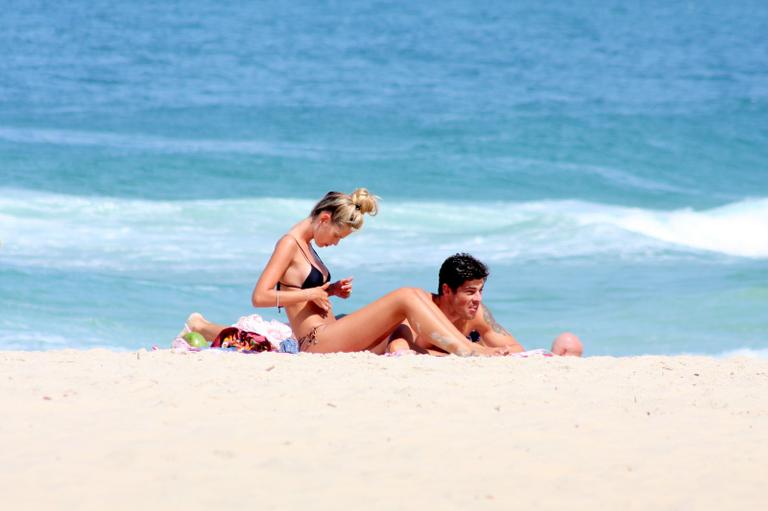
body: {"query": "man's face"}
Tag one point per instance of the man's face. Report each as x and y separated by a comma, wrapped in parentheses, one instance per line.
(465, 301)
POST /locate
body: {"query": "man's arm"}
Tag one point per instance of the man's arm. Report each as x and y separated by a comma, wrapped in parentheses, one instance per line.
(493, 334)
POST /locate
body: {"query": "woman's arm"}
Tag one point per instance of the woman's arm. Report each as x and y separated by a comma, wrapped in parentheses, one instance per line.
(264, 293)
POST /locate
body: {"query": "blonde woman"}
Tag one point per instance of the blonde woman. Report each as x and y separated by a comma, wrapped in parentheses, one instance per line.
(296, 278)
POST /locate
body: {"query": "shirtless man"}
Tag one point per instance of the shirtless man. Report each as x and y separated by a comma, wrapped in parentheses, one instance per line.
(460, 295)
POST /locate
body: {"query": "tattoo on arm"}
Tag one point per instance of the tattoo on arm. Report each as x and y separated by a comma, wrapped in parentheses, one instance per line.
(488, 317)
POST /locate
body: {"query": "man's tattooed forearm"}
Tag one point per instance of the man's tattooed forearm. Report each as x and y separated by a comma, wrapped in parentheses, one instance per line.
(488, 317)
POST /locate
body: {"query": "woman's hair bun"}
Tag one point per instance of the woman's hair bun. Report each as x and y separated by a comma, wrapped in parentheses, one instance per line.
(364, 201)
(347, 209)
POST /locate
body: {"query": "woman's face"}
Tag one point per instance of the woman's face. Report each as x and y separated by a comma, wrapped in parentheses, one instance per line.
(328, 233)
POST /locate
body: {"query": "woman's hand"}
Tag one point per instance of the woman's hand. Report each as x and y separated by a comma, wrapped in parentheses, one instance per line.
(319, 296)
(341, 288)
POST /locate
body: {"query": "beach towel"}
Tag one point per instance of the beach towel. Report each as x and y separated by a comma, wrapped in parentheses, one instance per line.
(532, 353)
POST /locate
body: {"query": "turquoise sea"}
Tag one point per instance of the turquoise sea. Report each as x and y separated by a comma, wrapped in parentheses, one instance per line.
(608, 160)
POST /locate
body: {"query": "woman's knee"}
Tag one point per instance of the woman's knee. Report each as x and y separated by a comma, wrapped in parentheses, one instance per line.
(409, 295)
(410, 291)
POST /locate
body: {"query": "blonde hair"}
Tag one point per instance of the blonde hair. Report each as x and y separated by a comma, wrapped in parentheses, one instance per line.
(347, 209)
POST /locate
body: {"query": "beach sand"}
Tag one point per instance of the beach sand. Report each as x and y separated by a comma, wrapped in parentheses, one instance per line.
(158, 430)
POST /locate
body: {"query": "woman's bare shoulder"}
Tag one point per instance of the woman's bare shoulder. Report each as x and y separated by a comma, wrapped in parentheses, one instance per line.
(286, 243)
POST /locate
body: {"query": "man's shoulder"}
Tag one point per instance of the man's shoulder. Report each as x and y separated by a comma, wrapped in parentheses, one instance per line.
(481, 318)
(475, 328)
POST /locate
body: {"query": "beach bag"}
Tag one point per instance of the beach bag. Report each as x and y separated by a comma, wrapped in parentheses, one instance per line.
(233, 337)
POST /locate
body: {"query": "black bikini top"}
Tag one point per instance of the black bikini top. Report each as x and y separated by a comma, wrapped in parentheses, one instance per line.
(315, 277)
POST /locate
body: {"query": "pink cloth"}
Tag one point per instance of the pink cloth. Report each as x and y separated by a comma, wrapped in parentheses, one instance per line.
(532, 353)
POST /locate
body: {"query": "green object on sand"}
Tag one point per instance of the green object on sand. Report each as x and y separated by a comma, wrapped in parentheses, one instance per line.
(196, 340)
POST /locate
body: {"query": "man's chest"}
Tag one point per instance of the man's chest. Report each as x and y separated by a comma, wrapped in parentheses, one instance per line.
(468, 329)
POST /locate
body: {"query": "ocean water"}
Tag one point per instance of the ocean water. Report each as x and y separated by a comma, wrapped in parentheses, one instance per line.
(608, 161)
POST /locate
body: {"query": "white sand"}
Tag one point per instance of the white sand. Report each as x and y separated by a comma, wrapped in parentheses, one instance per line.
(156, 430)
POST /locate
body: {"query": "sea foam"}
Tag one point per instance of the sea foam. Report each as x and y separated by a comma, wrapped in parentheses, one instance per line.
(41, 229)
(745, 352)
(739, 229)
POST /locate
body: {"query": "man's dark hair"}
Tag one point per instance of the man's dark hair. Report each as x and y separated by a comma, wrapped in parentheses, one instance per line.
(458, 269)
